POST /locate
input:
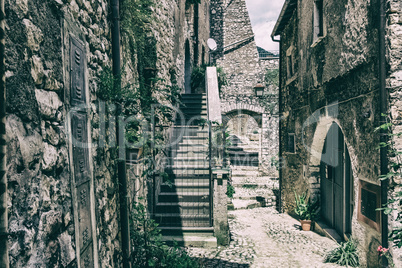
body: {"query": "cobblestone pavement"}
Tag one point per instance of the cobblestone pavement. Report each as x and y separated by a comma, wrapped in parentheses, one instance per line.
(263, 238)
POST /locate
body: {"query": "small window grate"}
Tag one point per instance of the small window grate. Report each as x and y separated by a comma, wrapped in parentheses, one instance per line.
(291, 148)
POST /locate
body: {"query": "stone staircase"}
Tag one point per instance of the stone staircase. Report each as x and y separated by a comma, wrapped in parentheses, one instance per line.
(242, 153)
(183, 209)
(252, 189)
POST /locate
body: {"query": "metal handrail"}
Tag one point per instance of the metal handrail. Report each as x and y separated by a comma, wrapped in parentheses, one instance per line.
(211, 183)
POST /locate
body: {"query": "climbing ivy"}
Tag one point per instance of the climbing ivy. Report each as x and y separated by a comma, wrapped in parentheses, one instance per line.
(198, 77)
(272, 77)
(394, 203)
(150, 250)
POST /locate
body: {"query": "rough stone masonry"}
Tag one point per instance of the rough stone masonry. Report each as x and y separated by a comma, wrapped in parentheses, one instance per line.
(63, 201)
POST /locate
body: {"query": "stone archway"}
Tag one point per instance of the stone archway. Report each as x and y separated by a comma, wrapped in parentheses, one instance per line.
(238, 108)
(330, 175)
(266, 126)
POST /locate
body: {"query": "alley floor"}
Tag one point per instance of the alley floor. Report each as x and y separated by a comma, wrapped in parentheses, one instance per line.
(263, 238)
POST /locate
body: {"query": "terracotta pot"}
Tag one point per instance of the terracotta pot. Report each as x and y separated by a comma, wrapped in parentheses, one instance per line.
(306, 225)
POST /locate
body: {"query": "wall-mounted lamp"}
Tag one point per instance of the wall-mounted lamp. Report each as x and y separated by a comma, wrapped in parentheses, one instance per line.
(259, 90)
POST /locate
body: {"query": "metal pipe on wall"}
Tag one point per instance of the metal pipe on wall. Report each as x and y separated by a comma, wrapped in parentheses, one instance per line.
(279, 200)
(4, 259)
(121, 161)
(383, 120)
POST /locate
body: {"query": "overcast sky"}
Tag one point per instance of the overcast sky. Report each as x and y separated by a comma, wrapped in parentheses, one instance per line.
(263, 15)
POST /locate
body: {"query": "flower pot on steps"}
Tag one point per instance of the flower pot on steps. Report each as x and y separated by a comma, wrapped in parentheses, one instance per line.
(306, 225)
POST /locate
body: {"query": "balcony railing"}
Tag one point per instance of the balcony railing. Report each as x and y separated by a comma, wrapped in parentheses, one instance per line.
(269, 55)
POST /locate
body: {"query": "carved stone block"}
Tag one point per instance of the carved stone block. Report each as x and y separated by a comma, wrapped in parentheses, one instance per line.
(77, 73)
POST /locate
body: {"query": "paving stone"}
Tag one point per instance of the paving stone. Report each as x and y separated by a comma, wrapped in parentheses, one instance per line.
(263, 238)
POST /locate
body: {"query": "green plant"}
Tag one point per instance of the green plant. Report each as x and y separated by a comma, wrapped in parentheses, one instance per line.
(344, 254)
(230, 190)
(384, 252)
(305, 209)
(149, 249)
(198, 77)
(275, 163)
(395, 164)
(272, 77)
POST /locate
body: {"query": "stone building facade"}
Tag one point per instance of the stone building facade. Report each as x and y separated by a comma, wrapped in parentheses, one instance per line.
(238, 56)
(63, 199)
(330, 107)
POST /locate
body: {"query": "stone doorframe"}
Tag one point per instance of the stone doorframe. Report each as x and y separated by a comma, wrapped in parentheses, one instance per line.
(312, 170)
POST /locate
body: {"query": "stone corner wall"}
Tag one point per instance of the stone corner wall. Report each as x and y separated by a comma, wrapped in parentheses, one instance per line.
(394, 83)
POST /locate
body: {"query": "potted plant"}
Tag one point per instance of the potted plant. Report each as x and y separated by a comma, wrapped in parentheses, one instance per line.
(306, 210)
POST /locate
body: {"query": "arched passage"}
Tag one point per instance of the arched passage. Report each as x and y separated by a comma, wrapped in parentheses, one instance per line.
(245, 128)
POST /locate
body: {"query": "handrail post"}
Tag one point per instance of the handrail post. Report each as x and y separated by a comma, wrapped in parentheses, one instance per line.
(211, 184)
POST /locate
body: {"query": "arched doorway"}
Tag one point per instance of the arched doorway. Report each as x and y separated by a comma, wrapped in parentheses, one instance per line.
(336, 183)
(187, 69)
(245, 134)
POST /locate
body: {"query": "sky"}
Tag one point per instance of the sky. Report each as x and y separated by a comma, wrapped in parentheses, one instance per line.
(263, 16)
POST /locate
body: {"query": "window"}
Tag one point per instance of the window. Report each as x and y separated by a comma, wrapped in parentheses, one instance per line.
(369, 202)
(318, 19)
(290, 63)
(291, 146)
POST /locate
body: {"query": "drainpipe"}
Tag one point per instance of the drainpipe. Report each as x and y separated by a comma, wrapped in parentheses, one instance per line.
(383, 120)
(121, 161)
(280, 128)
(196, 30)
(4, 262)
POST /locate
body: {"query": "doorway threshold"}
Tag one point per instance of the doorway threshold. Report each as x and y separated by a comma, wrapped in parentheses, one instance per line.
(325, 230)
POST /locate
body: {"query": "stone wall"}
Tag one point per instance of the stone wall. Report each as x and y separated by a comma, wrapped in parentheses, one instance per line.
(237, 55)
(43, 209)
(335, 80)
(55, 53)
(394, 85)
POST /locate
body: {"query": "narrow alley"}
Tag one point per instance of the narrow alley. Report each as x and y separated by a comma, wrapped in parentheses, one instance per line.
(263, 238)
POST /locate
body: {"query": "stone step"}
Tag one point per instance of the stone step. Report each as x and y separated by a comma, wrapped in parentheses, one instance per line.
(187, 231)
(189, 134)
(190, 153)
(183, 208)
(177, 189)
(189, 169)
(186, 178)
(253, 193)
(194, 110)
(178, 220)
(190, 161)
(194, 141)
(193, 95)
(247, 174)
(243, 170)
(199, 196)
(245, 204)
(191, 241)
(185, 148)
(264, 182)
